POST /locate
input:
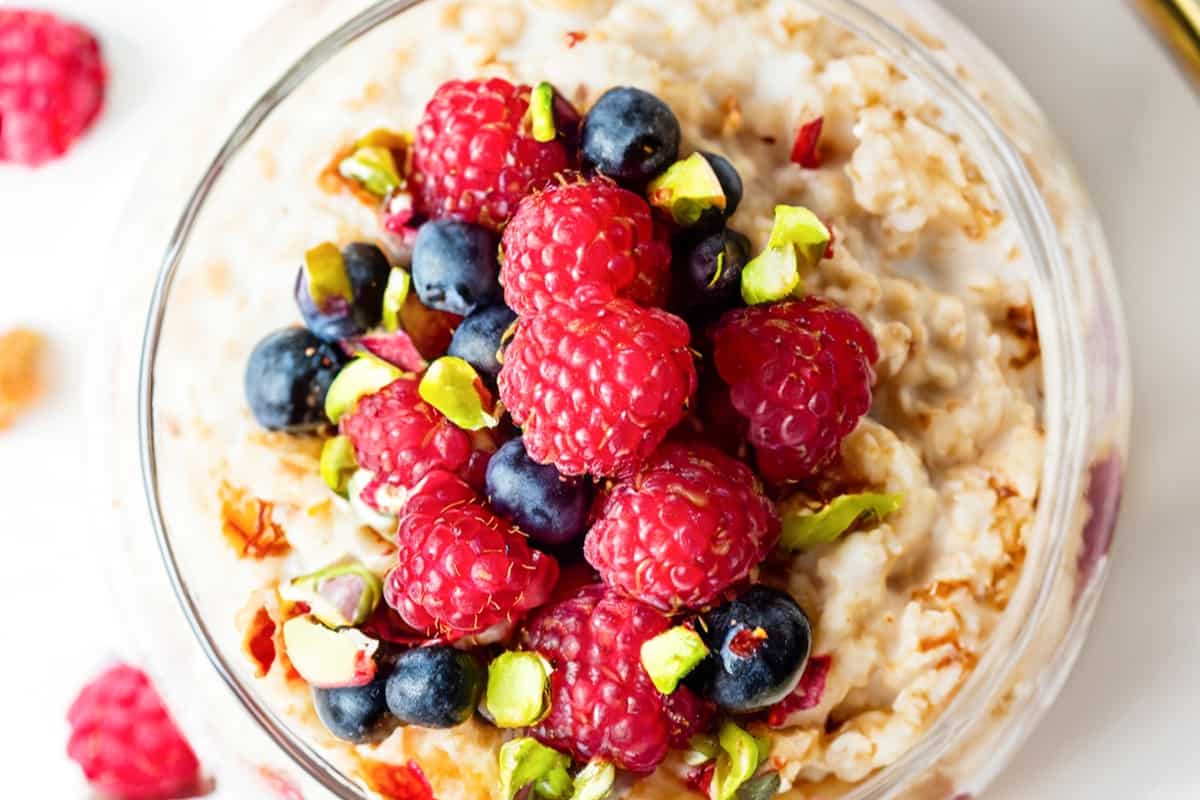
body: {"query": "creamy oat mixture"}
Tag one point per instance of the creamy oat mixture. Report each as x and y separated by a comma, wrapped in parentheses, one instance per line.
(923, 254)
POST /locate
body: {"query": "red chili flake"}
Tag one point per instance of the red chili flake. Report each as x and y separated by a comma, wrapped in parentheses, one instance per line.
(832, 241)
(806, 150)
(575, 37)
(397, 781)
(807, 694)
(746, 642)
(700, 778)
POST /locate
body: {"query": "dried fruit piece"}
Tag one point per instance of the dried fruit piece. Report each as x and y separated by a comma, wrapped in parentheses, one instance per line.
(687, 189)
(518, 689)
(363, 376)
(247, 524)
(453, 387)
(671, 655)
(526, 761)
(808, 525)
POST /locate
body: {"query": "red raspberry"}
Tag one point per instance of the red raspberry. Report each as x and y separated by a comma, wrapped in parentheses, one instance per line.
(51, 85)
(460, 569)
(596, 388)
(688, 525)
(475, 157)
(400, 437)
(602, 703)
(801, 372)
(589, 240)
(125, 741)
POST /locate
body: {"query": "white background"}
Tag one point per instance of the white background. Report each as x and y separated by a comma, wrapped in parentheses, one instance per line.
(1126, 725)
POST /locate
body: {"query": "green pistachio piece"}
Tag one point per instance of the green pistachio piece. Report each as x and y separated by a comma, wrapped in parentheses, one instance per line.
(369, 516)
(807, 526)
(541, 110)
(386, 138)
(687, 189)
(325, 272)
(671, 655)
(518, 689)
(764, 787)
(327, 658)
(701, 749)
(363, 376)
(525, 761)
(595, 781)
(374, 167)
(554, 785)
(341, 595)
(337, 463)
(800, 228)
(399, 282)
(771, 276)
(451, 385)
(736, 764)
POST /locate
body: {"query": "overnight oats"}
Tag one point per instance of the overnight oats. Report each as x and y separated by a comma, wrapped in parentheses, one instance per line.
(628, 401)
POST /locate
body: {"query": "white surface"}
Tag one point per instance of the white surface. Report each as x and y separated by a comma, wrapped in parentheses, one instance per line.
(1125, 726)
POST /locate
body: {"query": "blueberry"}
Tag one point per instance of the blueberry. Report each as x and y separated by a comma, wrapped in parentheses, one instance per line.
(287, 377)
(710, 274)
(334, 317)
(760, 644)
(731, 184)
(630, 136)
(454, 266)
(552, 509)
(435, 687)
(477, 339)
(356, 714)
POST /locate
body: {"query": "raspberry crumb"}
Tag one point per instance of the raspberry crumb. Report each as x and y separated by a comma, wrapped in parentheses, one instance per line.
(806, 151)
(20, 373)
(575, 37)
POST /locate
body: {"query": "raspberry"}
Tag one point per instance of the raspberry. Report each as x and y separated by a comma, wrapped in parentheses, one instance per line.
(474, 155)
(126, 743)
(602, 703)
(596, 388)
(588, 240)
(688, 525)
(51, 85)
(460, 569)
(801, 372)
(400, 437)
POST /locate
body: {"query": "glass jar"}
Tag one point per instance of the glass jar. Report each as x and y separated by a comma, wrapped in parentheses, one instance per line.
(1079, 325)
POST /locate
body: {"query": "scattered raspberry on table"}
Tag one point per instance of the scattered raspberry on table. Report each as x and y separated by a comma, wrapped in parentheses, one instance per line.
(125, 741)
(52, 80)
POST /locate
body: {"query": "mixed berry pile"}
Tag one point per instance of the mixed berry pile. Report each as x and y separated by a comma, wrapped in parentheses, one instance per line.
(587, 412)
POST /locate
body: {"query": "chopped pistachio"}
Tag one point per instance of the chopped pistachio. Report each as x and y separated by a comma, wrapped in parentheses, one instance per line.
(541, 110)
(701, 749)
(763, 787)
(805, 526)
(341, 595)
(671, 655)
(452, 386)
(337, 463)
(384, 137)
(595, 781)
(736, 764)
(527, 761)
(374, 167)
(771, 276)
(518, 689)
(399, 282)
(363, 376)
(800, 228)
(325, 272)
(368, 515)
(687, 189)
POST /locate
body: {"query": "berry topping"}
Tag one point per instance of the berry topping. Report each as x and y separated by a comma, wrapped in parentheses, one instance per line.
(475, 155)
(453, 387)
(807, 524)
(806, 149)
(400, 437)
(125, 741)
(760, 644)
(518, 689)
(801, 373)
(689, 524)
(51, 85)
(688, 190)
(585, 240)
(630, 135)
(552, 509)
(603, 704)
(710, 274)
(435, 687)
(287, 378)
(596, 388)
(357, 714)
(340, 295)
(480, 336)
(329, 658)
(454, 266)
(460, 569)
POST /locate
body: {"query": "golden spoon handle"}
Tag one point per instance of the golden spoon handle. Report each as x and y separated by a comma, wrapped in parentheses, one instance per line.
(1177, 23)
